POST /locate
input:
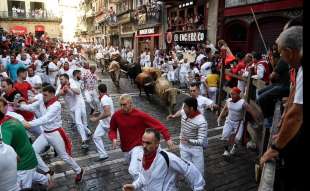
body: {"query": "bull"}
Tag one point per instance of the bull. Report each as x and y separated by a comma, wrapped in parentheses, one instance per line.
(167, 93)
(146, 80)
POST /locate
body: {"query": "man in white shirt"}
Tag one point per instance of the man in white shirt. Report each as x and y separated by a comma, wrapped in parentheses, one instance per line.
(129, 56)
(235, 109)
(159, 168)
(53, 70)
(71, 93)
(33, 79)
(89, 79)
(107, 110)
(53, 134)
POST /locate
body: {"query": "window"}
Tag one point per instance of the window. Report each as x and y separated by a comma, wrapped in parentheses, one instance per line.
(16, 8)
(237, 32)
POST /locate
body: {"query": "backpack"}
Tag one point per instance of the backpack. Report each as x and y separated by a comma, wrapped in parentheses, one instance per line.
(165, 155)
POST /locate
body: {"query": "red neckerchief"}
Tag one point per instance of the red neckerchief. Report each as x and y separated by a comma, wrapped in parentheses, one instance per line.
(4, 119)
(193, 114)
(100, 96)
(62, 86)
(148, 159)
(11, 91)
(66, 69)
(51, 101)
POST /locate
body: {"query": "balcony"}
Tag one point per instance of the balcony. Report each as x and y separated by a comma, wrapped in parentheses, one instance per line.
(235, 3)
(29, 15)
(184, 24)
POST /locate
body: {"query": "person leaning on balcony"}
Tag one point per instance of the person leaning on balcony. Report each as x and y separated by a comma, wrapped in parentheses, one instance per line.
(289, 142)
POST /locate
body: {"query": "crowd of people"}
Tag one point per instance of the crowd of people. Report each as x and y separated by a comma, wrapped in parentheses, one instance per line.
(34, 76)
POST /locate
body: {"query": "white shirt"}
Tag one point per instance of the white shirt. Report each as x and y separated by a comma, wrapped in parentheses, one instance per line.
(298, 98)
(52, 75)
(106, 101)
(4, 61)
(34, 80)
(203, 102)
(206, 68)
(160, 177)
(8, 168)
(71, 98)
(37, 107)
(51, 118)
(235, 110)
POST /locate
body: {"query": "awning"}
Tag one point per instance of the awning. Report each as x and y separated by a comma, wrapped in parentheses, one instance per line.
(19, 30)
(39, 28)
(148, 35)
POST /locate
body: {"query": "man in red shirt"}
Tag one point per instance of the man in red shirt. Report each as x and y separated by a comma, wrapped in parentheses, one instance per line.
(131, 124)
(22, 85)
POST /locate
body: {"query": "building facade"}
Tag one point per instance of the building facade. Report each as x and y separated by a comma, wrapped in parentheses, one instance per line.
(239, 29)
(37, 17)
(187, 22)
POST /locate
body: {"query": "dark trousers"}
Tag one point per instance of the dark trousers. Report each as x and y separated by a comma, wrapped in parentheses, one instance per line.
(267, 97)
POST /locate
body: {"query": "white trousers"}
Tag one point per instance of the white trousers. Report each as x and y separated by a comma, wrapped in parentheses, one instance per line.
(92, 99)
(232, 127)
(97, 138)
(171, 76)
(182, 78)
(193, 154)
(55, 140)
(36, 131)
(212, 93)
(26, 177)
(134, 158)
(241, 85)
(79, 116)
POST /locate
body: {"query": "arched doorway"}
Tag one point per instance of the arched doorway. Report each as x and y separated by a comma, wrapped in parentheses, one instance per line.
(236, 36)
(270, 27)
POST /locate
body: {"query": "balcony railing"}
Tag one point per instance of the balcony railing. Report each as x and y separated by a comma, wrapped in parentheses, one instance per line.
(42, 15)
(234, 3)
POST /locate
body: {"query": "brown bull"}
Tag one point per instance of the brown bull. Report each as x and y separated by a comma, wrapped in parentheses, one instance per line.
(167, 93)
(146, 79)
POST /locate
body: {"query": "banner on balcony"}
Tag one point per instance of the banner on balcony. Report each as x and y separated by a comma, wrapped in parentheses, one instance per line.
(39, 28)
(190, 36)
(19, 30)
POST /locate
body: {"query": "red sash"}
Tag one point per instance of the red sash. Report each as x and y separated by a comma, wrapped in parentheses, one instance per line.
(5, 118)
(65, 137)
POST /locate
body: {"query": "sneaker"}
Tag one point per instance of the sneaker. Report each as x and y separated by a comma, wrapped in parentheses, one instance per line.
(233, 149)
(226, 153)
(79, 176)
(100, 159)
(251, 145)
(84, 145)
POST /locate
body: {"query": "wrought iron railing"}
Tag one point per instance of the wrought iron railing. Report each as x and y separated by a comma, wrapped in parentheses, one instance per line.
(31, 14)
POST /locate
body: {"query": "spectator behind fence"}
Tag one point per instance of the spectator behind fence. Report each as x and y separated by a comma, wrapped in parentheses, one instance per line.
(289, 143)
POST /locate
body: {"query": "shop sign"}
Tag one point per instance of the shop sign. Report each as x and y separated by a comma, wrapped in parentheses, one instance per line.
(147, 31)
(127, 28)
(124, 18)
(195, 36)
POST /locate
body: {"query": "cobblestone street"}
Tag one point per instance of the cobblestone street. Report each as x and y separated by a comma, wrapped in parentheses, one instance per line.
(110, 175)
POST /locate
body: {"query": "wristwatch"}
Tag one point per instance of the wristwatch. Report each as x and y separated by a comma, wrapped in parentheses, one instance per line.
(274, 147)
